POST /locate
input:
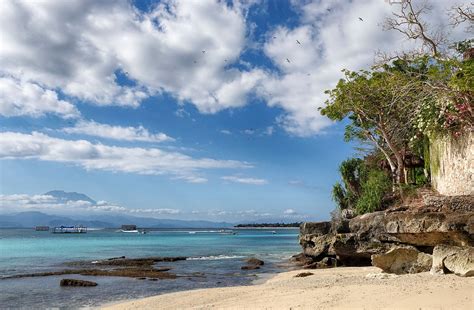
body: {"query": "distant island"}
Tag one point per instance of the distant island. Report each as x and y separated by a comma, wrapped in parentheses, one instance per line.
(295, 224)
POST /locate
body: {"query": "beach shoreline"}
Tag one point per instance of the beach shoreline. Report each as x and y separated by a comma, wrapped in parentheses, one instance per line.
(336, 288)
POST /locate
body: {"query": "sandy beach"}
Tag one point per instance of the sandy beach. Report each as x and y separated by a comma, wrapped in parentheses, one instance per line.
(338, 288)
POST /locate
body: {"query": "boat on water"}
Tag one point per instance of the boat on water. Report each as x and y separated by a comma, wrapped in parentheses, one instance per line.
(132, 229)
(69, 230)
(42, 228)
(227, 232)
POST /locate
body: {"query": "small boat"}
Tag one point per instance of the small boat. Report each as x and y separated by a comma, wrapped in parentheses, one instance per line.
(42, 228)
(227, 232)
(128, 228)
(69, 230)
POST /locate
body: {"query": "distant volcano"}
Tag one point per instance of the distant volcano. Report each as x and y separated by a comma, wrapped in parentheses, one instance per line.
(70, 196)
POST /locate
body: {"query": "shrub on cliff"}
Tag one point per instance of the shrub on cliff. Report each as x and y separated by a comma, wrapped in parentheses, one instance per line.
(364, 186)
(374, 189)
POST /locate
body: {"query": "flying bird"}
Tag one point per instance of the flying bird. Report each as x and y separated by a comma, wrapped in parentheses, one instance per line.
(298, 42)
(361, 19)
(329, 10)
(274, 37)
(288, 60)
(204, 52)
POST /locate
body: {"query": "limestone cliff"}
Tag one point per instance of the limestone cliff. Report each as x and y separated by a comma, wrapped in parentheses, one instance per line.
(419, 226)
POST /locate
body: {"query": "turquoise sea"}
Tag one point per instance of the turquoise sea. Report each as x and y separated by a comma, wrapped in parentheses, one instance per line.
(214, 256)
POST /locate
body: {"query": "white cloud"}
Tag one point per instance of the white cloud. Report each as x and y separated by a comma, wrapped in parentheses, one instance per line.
(152, 161)
(20, 98)
(79, 46)
(290, 212)
(139, 133)
(243, 180)
(47, 203)
(332, 38)
(269, 131)
(235, 214)
(155, 211)
(226, 132)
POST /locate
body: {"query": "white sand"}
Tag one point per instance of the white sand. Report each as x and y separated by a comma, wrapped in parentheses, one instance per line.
(338, 288)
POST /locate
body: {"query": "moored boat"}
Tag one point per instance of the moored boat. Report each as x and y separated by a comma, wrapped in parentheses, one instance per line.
(69, 230)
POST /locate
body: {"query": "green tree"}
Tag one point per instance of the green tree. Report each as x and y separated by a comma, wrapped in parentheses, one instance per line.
(380, 105)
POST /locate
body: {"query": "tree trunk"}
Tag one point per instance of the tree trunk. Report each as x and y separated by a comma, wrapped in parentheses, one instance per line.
(399, 159)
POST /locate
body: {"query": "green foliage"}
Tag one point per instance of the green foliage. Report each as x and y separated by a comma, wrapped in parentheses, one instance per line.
(363, 188)
(375, 187)
(339, 196)
(351, 172)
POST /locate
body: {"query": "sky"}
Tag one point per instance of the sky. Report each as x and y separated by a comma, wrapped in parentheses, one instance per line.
(191, 109)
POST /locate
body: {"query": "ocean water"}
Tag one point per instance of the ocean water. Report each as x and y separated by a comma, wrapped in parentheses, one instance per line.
(214, 259)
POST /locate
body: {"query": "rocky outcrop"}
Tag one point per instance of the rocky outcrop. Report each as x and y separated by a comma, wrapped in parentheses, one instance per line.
(453, 259)
(403, 236)
(255, 261)
(303, 274)
(252, 264)
(400, 260)
(75, 282)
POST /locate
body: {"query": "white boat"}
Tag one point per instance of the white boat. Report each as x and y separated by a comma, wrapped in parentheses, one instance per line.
(129, 231)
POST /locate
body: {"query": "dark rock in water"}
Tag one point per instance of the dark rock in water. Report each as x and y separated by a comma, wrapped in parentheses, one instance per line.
(254, 261)
(304, 274)
(141, 278)
(120, 272)
(400, 260)
(75, 282)
(453, 259)
(250, 267)
(147, 261)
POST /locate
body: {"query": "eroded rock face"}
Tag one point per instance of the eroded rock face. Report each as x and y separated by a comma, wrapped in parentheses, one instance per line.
(316, 246)
(419, 229)
(400, 260)
(352, 250)
(453, 259)
(426, 223)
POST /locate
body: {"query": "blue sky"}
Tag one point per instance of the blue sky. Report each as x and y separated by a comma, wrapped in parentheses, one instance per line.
(179, 109)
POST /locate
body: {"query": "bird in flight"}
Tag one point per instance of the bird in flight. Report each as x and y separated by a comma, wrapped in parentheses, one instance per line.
(298, 42)
(329, 10)
(288, 60)
(274, 37)
(204, 52)
(361, 19)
